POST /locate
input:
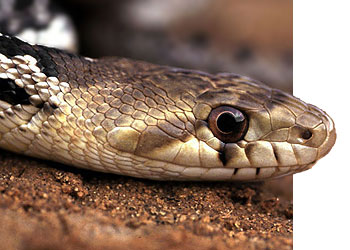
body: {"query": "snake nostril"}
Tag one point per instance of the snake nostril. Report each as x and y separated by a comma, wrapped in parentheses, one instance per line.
(307, 134)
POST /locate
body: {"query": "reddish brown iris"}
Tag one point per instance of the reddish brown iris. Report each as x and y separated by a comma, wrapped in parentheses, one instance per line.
(228, 124)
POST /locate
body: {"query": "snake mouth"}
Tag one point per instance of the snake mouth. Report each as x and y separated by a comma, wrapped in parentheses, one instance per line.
(264, 174)
(279, 172)
(250, 174)
(268, 173)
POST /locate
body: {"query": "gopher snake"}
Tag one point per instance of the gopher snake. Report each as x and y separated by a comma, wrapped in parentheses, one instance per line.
(144, 120)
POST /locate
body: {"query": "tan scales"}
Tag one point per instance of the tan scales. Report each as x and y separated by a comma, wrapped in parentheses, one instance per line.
(149, 121)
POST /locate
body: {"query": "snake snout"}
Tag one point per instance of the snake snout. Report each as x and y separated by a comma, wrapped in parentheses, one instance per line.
(328, 143)
(316, 133)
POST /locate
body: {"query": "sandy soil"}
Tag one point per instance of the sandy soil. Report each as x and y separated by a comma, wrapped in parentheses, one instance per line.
(45, 205)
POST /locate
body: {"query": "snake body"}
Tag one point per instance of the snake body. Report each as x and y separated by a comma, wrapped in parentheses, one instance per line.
(139, 119)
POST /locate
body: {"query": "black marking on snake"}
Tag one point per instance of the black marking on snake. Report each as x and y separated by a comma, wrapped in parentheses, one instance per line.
(11, 93)
(54, 106)
(275, 154)
(48, 109)
(257, 171)
(12, 46)
(249, 149)
(274, 150)
(222, 158)
(22, 129)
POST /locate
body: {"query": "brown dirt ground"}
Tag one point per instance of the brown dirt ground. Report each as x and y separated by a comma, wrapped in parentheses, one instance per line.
(45, 205)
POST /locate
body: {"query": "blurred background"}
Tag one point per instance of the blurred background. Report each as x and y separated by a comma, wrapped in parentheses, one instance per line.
(246, 37)
(253, 38)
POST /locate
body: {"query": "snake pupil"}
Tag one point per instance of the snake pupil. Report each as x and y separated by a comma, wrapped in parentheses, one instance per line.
(228, 124)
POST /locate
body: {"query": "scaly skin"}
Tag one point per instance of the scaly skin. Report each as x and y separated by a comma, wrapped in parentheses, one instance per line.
(144, 120)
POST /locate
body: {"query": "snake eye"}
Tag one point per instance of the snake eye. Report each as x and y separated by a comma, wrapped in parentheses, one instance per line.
(228, 124)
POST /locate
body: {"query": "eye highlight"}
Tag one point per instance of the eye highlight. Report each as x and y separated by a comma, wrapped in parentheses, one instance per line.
(228, 124)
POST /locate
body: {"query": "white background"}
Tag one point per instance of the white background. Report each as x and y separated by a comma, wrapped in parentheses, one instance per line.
(322, 77)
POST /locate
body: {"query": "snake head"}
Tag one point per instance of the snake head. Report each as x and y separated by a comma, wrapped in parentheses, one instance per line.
(223, 127)
(281, 135)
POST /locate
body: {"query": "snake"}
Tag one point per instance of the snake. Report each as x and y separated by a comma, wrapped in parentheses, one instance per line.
(139, 119)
